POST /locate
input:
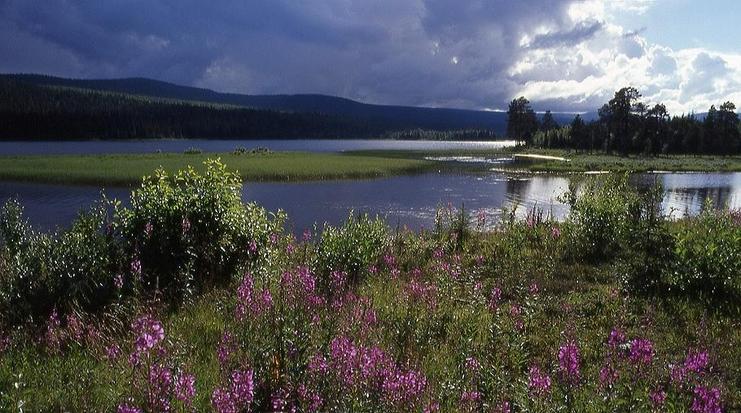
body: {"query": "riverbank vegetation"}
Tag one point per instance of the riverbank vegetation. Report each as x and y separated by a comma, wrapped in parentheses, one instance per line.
(126, 169)
(191, 300)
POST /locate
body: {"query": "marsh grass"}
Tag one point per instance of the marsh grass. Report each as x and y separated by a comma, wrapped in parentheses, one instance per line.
(128, 169)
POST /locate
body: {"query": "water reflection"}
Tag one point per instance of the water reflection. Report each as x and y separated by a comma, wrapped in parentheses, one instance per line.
(402, 200)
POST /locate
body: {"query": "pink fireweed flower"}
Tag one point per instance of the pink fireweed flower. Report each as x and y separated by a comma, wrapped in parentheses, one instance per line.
(555, 232)
(403, 388)
(75, 329)
(503, 407)
(706, 400)
(252, 247)
(533, 289)
(127, 408)
(159, 388)
(338, 280)
(118, 281)
(432, 407)
(136, 267)
(279, 400)
(607, 376)
(318, 365)
(148, 228)
(472, 366)
(569, 361)
(657, 397)
(238, 396)
(641, 351)
(185, 388)
(112, 352)
(309, 398)
(227, 346)
(470, 396)
(495, 298)
(307, 235)
(696, 361)
(539, 383)
(616, 338)
(222, 401)
(53, 335)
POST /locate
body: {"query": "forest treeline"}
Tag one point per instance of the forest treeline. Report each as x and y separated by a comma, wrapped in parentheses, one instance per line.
(626, 125)
(48, 112)
(442, 135)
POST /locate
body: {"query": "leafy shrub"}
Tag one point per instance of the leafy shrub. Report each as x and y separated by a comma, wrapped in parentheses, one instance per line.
(600, 212)
(191, 230)
(40, 271)
(648, 250)
(708, 254)
(353, 247)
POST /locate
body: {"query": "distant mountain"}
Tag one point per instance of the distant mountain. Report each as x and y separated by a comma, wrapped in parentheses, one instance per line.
(383, 117)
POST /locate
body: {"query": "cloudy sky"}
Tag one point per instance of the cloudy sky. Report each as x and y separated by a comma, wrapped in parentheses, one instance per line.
(563, 55)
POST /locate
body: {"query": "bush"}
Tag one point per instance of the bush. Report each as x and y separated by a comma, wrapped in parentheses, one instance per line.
(191, 230)
(599, 219)
(708, 254)
(73, 268)
(353, 247)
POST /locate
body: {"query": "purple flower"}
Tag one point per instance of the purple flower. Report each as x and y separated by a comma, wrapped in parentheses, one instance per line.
(494, 298)
(555, 232)
(310, 398)
(127, 408)
(136, 267)
(118, 281)
(403, 388)
(470, 397)
(607, 375)
(318, 365)
(185, 225)
(616, 338)
(472, 366)
(279, 400)
(53, 336)
(222, 401)
(706, 400)
(696, 361)
(243, 387)
(185, 388)
(503, 407)
(569, 361)
(112, 352)
(641, 351)
(160, 387)
(657, 397)
(538, 382)
(307, 235)
(534, 289)
(148, 228)
(227, 346)
(148, 332)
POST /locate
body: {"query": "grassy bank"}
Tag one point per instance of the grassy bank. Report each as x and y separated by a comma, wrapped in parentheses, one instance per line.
(190, 300)
(582, 162)
(126, 169)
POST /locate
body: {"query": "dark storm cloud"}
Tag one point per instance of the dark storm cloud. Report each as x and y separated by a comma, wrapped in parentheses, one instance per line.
(418, 52)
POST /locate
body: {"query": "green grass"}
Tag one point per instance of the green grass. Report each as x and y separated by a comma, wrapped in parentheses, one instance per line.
(127, 169)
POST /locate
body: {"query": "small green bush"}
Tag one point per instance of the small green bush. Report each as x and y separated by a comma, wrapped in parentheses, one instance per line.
(708, 254)
(40, 271)
(191, 230)
(353, 247)
(599, 220)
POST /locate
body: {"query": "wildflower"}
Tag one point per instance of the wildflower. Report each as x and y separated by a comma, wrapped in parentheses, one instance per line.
(403, 388)
(118, 281)
(696, 361)
(160, 383)
(503, 407)
(148, 331)
(555, 232)
(494, 298)
(470, 396)
(472, 365)
(75, 329)
(607, 376)
(657, 397)
(318, 365)
(307, 235)
(616, 338)
(227, 346)
(533, 288)
(433, 407)
(136, 267)
(222, 401)
(185, 388)
(127, 408)
(706, 400)
(53, 332)
(677, 374)
(641, 351)
(338, 280)
(279, 400)
(252, 247)
(569, 360)
(310, 398)
(538, 382)
(243, 387)
(112, 352)
(148, 228)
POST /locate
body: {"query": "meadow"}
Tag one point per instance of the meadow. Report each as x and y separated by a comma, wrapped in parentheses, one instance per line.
(190, 300)
(127, 169)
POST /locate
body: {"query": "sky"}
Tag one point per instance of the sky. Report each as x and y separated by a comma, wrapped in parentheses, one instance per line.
(563, 55)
